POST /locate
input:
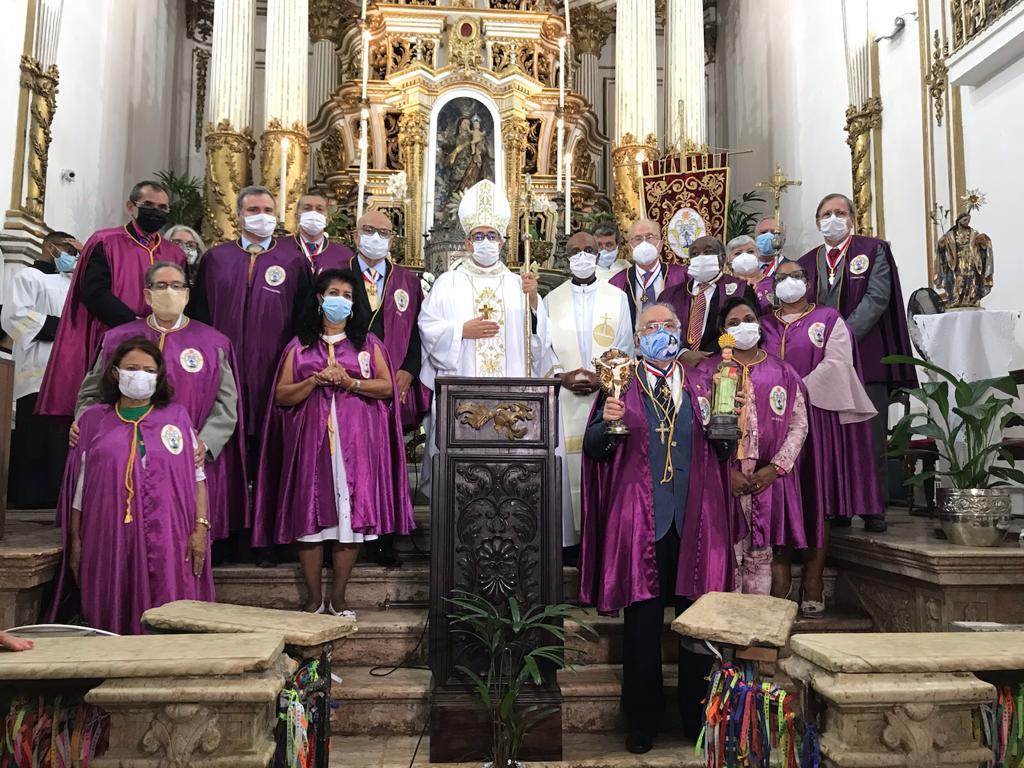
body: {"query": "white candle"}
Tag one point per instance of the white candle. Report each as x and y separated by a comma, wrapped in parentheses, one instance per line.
(364, 11)
(282, 203)
(366, 59)
(568, 193)
(561, 72)
(568, 26)
(363, 150)
(558, 153)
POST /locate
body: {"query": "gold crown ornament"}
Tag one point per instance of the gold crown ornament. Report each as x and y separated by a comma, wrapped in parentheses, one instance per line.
(726, 340)
(484, 205)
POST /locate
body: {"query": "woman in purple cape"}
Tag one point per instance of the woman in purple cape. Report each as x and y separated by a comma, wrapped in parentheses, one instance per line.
(773, 426)
(332, 468)
(133, 501)
(837, 472)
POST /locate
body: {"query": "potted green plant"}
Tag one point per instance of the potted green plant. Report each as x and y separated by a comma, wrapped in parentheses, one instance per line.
(513, 655)
(966, 420)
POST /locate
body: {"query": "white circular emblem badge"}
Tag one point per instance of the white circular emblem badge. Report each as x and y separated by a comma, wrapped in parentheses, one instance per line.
(191, 360)
(171, 437)
(684, 227)
(364, 364)
(274, 275)
(816, 333)
(859, 264)
(730, 288)
(401, 299)
(777, 398)
(705, 409)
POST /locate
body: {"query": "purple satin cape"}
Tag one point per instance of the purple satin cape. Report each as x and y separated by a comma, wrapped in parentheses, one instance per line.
(403, 297)
(617, 560)
(889, 336)
(227, 488)
(776, 516)
(625, 280)
(255, 315)
(837, 467)
(334, 256)
(79, 332)
(295, 489)
(127, 568)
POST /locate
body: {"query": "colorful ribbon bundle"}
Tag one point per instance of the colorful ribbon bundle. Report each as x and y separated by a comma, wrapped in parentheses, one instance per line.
(744, 720)
(52, 734)
(1002, 724)
(301, 708)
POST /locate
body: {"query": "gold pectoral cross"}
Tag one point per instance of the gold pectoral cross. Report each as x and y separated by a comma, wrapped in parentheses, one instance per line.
(662, 431)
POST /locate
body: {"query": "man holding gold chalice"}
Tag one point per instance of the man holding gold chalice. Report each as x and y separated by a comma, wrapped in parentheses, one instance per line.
(658, 522)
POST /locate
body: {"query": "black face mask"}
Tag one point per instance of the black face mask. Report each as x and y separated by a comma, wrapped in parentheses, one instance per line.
(150, 220)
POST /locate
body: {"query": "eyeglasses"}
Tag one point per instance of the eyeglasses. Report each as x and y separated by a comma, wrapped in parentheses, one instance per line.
(479, 237)
(179, 286)
(159, 206)
(650, 237)
(796, 274)
(654, 325)
(367, 230)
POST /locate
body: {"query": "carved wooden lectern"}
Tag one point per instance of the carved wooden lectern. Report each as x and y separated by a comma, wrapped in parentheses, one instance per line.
(496, 531)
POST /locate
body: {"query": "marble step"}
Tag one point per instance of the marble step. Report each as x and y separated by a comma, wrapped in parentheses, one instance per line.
(579, 750)
(398, 703)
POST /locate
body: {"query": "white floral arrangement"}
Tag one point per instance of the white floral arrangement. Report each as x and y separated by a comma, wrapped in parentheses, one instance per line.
(543, 204)
(398, 185)
(427, 281)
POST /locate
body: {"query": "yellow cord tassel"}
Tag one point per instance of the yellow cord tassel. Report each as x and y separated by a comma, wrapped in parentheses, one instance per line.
(330, 416)
(129, 480)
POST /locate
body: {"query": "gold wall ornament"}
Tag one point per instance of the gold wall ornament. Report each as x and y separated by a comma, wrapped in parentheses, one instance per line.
(42, 87)
(412, 144)
(514, 132)
(970, 18)
(464, 43)
(937, 78)
(325, 19)
(627, 158)
(778, 184)
(860, 123)
(296, 165)
(202, 57)
(199, 20)
(506, 417)
(590, 28)
(228, 156)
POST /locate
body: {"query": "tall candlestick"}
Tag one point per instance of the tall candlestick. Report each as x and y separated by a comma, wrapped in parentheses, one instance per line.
(363, 150)
(363, 16)
(558, 152)
(568, 193)
(527, 310)
(366, 59)
(282, 203)
(561, 72)
(568, 26)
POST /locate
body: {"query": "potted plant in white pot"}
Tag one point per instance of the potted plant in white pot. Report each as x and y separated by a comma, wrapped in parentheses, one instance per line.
(966, 420)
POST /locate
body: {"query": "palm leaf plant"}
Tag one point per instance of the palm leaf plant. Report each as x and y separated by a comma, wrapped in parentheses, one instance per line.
(744, 213)
(966, 420)
(186, 198)
(514, 654)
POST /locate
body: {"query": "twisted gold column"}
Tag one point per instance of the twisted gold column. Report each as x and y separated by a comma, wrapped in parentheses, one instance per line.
(229, 153)
(42, 84)
(514, 130)
(860, 122)
(412, 142)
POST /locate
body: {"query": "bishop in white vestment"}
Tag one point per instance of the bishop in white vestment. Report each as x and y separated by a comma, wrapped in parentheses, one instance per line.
(587, 317)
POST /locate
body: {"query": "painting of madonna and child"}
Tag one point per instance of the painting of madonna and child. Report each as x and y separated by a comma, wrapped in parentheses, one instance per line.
(464, 155)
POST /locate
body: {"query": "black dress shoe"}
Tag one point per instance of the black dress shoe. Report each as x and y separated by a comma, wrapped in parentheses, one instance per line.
(638, 742)
(839, 522)
(264, 557)
(875, 524)
(382, 551)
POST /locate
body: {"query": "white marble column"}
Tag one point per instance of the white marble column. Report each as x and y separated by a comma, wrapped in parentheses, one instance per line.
(324, 20)
(287, 82)
(590, 29)
(684, 74)
(636, 74)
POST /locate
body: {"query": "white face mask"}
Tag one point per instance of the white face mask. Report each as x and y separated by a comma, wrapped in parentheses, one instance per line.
(606, 258)
(374, 247)
(645, 254)
(485, 253)
(745, 263)
(583, 264)
(834, 227)
(312, 223)
(790, 290)
(746, 334)
(260, 224)
(703, 269)
(137, 385)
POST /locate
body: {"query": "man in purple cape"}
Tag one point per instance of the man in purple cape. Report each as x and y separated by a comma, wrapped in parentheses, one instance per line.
(649, 276)
(857, 275)
(200, 366)
(700, 295)
(312, 241)
(106, 291)
(130, 563)
(249, 290)
(657, 525)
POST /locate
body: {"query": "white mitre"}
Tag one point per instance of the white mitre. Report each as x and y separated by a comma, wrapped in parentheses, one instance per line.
(484, 205)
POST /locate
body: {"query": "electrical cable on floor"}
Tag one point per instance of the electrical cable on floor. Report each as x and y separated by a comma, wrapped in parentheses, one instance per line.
(419, 741)
(403, 664)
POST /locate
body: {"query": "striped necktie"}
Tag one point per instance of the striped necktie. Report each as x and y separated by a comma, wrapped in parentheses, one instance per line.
(698, 309)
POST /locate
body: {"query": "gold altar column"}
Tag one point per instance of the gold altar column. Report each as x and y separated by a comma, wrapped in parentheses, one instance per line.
(514, 130)
(636, 104)
(685, 91)
(285, 99)
(229, 144)
(324, 21)
(412, 142)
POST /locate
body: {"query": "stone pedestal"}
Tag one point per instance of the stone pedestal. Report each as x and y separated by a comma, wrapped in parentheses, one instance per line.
(29, 557)
(900, 699)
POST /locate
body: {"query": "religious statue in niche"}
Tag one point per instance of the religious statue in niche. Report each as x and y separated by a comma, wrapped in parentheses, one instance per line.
(465, 153)
(963, 259)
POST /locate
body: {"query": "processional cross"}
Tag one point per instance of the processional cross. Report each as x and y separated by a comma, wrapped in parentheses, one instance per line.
(778, 183)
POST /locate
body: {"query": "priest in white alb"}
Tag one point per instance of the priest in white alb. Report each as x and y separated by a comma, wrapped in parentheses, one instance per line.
(472, 322)
(587, 317)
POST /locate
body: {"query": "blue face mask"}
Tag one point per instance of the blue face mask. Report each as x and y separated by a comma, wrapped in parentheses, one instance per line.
(336, 308)
(662, 345)
(64, 262)
(766, 243)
